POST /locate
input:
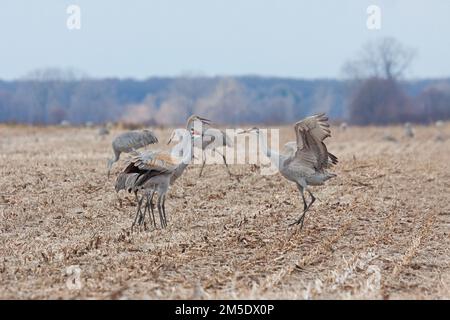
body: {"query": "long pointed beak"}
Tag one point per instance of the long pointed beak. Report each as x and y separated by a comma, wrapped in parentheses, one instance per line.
(170, 140)
(204, 120)
(243, 131)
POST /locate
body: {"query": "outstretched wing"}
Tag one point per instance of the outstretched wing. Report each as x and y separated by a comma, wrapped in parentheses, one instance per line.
(155, 160)
(128, 141)
(311, 150)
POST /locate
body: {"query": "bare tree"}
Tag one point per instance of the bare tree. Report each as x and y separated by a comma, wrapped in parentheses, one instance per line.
(55, 74)
(385, 58)
(229, 102)
(377, 97)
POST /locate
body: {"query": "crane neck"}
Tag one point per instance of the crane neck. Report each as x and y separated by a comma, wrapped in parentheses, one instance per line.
(186, 147)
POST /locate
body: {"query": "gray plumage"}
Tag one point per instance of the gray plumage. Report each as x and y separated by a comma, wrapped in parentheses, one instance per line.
(153, 172)
(103, 131)
(306, 164)
(440, 136)
(139, 175)
(409, 133)
(130, 141)
(65, 123)
(213, 139)
(389, 137)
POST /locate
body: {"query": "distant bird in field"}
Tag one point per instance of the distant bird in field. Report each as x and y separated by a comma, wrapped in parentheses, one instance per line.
(306, 166)
(440, 132)
(153, 172)
(130, 141)
(408, 130)
(103, 131)
(65, 123)
(389, 137)
(344, 126)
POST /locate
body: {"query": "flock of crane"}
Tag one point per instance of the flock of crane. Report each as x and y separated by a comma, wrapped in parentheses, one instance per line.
(151, 172)
(410, 133)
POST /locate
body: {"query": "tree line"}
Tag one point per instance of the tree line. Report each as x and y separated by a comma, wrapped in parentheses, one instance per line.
(374, 92)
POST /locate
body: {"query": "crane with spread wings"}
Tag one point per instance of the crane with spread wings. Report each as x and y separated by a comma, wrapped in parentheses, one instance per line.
(308, 159)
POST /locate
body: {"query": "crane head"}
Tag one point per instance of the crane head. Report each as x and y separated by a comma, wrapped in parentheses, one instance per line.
(193, 118)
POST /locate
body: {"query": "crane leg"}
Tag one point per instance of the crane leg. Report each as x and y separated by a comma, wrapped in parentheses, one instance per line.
(306, 207)
(225, 162)
(203, 163)
(164, 208)
(110, 163)
(312, 199)
(141, 220)
(150, 203)
(161, 218)
(138, 211)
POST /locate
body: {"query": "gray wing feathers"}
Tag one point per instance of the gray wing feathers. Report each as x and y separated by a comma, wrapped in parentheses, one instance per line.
(310, 133)
(126, 181)
(128, 141)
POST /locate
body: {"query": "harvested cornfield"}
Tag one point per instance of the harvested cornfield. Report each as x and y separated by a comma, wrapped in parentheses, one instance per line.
(380, 230)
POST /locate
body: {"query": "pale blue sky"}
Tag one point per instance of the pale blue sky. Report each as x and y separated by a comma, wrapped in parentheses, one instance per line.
(138, 38)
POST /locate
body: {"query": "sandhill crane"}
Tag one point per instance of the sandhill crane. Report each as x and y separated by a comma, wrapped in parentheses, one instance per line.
(103, 131)
(211, 139)
(306, 166)
(65, 123)
(389, 137)
(196, 119)
(153, 172)
(408, 130)
(130, 141)
(440, 132)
